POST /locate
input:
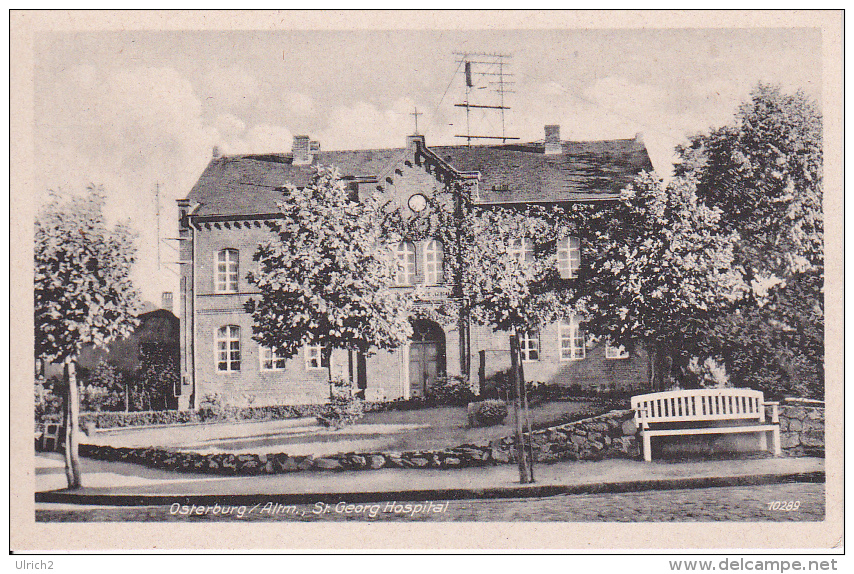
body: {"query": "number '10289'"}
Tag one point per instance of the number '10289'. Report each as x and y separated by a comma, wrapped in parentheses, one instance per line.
(785, 506)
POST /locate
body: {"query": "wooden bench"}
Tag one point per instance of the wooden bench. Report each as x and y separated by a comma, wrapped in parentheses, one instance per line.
(673, 412)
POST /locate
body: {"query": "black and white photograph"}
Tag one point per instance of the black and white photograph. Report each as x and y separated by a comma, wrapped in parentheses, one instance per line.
(436, 270)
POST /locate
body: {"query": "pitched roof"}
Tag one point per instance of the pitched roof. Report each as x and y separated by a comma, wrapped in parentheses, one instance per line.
(248, 184)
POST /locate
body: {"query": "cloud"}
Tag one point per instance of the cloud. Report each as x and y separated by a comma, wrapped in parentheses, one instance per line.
(267, 138)
(229, 89)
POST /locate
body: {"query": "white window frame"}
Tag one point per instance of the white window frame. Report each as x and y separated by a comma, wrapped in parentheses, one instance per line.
(520, 248)
(406, 263)
(571, 331)
(231, 336)
(314, 353)
(267, 355)
(433, 271)
(569, 257)
(618, 352)
(529, 341)
(227, 280)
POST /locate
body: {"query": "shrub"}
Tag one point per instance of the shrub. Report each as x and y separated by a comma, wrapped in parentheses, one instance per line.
(452, 391)
(343, 409)
(487, 413)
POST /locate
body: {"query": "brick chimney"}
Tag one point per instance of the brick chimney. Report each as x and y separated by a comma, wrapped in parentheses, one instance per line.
(301, 150)
(553, 140)
(413, 140)
(166, 300)
(216, 153)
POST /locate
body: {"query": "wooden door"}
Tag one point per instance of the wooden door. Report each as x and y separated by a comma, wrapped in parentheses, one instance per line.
(423, 366)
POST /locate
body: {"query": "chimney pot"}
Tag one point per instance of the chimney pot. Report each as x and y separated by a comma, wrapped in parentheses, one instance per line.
(553, 145)
(166, 300)
(301, 150)
(216, 152)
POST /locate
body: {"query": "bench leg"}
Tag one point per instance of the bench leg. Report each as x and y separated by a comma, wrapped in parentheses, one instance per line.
(763, 441)
(647, 447)
(775, 441)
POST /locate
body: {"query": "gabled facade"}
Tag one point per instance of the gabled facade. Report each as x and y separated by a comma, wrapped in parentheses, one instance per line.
(227, 214)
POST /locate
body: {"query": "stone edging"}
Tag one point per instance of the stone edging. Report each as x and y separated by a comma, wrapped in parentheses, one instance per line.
(610, 435)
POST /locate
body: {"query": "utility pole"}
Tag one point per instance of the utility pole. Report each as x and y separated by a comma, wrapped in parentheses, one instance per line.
(157, 217)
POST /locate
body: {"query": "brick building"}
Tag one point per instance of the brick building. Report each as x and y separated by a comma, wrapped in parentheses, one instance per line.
(225, 216)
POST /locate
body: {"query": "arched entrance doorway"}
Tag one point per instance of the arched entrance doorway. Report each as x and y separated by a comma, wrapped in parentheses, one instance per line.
(426, 356)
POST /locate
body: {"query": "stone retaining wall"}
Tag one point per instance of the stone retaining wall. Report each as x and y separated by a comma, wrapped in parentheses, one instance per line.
(801, 428)
(610, 435)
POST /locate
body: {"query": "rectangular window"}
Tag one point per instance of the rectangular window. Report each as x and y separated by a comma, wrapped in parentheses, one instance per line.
(522, 249)
(529, 342)
(314, 357)
(618, 352)
(227, 271)
(270, 360)
(433, 272)
(569, 257)
(572, 346)
(405, 263)
(228, 349)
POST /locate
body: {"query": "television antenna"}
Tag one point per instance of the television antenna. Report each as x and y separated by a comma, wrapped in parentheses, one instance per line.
(478, 68)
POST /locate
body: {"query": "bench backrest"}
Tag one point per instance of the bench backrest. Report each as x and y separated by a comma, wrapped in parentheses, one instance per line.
(699, 405)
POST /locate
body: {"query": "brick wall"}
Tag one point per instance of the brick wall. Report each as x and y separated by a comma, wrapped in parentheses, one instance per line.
(593, 372)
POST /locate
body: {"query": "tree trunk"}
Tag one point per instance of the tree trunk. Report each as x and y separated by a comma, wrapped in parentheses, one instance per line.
(127, 397)
(529, 451)
(521, 451)
(72, 432)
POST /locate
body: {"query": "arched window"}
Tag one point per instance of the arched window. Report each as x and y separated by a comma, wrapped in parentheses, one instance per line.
(522, 249)
(568, 257)
(406, 263)
(227, 270)
(433, 259)
(228, 349)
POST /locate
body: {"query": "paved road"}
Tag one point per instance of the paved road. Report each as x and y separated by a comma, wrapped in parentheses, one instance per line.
(741, 503)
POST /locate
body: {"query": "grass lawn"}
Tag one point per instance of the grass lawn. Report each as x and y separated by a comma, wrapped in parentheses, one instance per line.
(422, 429)
(448, 426)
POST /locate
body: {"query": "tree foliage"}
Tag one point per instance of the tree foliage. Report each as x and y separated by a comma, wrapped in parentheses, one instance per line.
(663, 269)
(514, 286)
(83, 289)
(328, 275)
(764, 173)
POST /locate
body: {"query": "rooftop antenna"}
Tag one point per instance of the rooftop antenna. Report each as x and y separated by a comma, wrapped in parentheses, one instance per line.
(476, 66)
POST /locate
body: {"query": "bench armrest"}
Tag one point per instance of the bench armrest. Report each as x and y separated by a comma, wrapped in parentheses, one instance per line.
(775, 414)
(640, 416)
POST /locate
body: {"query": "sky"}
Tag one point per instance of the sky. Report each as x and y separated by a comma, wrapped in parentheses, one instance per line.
(139, 111)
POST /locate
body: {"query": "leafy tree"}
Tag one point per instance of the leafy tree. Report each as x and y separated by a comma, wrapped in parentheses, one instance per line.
(158, 373)
(83, 292)
(511, 276)
(105, 388)
(327, 277)
(764, 173)
(512, 282)
(661, 270)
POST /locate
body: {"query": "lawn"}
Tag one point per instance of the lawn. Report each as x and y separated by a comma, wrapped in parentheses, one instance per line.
(448, 426)
(423, 429)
